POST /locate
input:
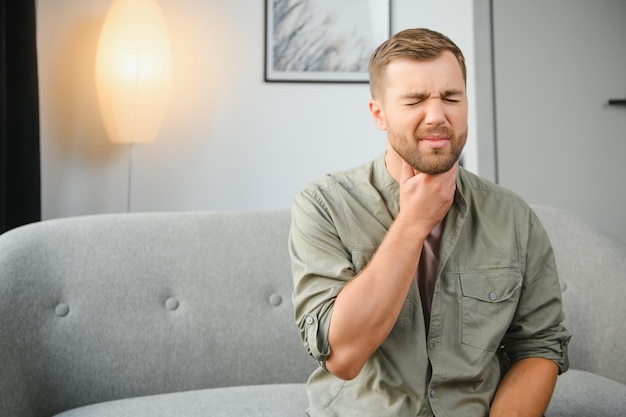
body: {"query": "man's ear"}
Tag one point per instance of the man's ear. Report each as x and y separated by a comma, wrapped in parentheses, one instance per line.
(378, 114)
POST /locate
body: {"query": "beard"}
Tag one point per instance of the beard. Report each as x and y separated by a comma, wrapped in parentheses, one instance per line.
(432, 161)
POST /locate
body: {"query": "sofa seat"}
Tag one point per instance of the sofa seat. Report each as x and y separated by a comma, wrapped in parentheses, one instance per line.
(271, 400)
(577, 394)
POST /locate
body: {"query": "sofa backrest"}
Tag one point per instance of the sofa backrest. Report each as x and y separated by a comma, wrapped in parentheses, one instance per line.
(592, 270)
(113, 306)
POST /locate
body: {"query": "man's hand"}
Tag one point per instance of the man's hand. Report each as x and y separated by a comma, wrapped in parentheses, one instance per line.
(425, 199)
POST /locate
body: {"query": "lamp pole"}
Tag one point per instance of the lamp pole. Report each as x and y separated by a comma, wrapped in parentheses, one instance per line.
(131, 157)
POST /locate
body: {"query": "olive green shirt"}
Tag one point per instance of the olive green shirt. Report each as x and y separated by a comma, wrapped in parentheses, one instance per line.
(496, 297)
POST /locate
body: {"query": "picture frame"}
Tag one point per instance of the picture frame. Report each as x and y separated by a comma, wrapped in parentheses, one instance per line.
(326, 41)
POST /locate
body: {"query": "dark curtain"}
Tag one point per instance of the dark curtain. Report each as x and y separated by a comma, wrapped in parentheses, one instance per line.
(20, 179)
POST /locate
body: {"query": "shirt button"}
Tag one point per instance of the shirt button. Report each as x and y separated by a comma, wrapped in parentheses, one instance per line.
(493, 296)
(309, 320)
(433, 393)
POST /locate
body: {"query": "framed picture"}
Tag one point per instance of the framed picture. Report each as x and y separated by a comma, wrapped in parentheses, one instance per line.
(323, 40)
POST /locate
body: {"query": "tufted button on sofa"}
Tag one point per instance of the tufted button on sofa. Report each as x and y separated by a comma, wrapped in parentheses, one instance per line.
(189, 314)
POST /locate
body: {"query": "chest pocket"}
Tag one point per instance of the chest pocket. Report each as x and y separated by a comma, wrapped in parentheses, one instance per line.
(489, 301)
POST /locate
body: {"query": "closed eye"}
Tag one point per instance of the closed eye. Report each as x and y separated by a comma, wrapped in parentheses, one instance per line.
(414, 99)
(452, 96)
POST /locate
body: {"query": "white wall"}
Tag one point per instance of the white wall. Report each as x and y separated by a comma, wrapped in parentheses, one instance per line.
(229, 140)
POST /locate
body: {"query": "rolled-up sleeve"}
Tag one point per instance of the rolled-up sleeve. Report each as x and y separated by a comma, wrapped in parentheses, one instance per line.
(537, 329)
(321, 266)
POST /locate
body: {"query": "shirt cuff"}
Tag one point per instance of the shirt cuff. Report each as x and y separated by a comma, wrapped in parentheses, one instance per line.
(316, 332)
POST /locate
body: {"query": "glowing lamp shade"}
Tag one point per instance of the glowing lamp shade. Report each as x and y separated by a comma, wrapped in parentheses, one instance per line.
(133, 70)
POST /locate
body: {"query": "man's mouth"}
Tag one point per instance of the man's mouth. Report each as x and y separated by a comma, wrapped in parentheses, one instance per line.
(435, 141)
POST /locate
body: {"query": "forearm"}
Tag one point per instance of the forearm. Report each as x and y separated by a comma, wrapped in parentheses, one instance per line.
(526, 389)
(368, 306)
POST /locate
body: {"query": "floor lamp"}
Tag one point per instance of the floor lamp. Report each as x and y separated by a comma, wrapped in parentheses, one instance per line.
(133, 74)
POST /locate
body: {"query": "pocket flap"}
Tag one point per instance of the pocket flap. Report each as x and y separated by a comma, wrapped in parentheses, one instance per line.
(492, 286)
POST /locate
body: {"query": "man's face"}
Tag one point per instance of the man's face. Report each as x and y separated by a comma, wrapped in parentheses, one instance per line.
(423, 108)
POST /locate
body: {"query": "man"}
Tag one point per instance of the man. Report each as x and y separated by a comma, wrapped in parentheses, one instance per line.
(420, 288)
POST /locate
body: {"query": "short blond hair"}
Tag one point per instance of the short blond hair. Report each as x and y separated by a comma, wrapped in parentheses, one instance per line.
(417, 44)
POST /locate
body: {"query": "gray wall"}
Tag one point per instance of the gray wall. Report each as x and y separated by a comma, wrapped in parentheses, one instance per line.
(555, 140)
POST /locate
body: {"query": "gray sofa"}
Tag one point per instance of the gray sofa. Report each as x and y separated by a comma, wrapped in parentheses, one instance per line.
(189, 314)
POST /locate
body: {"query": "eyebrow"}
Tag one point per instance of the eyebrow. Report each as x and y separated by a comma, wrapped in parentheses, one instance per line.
(449, 93)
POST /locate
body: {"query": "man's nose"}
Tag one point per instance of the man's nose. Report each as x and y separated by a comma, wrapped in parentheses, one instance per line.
(435, 113)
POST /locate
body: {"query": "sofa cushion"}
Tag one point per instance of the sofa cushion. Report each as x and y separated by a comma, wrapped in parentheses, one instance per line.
(583, 394)
(275, 400)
